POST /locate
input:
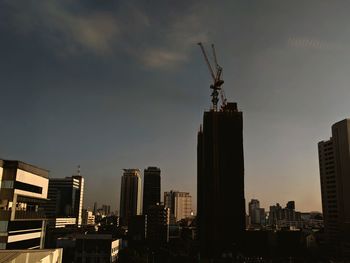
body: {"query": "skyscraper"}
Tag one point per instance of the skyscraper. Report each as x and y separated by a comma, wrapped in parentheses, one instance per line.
(130, 195)
(151, 188)
(66, 198)
(256, 214)
(220, 182)
(334, 162)
(179, 203)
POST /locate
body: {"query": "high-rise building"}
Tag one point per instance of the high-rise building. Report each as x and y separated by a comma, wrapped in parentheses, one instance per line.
(130, 195)
(151, 188)
(220, 182)
(256, 214)
(275, 214)
(23, 190)
(66, 198)
(179, 203)
(334, 164)
(284, 217)
(95, 208)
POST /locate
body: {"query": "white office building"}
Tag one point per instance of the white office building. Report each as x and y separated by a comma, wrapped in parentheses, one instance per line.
(23, 190)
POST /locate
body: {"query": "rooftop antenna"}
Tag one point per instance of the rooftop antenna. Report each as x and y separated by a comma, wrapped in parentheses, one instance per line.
(78, 169)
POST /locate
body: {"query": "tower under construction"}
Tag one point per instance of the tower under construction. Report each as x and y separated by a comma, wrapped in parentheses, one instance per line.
(220, 180)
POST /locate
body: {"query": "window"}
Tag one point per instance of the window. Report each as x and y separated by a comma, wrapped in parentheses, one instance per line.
(7, 184)
(28, 187)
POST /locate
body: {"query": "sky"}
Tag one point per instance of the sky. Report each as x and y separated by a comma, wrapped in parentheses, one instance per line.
(113, 84)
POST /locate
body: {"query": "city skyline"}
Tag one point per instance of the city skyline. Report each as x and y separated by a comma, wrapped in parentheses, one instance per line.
(89, 93)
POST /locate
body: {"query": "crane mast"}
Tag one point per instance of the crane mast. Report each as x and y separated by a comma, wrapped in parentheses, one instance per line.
(217, 79)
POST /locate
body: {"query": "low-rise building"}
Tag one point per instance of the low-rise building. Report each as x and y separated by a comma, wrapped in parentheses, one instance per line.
(23, 191)
(32, 256)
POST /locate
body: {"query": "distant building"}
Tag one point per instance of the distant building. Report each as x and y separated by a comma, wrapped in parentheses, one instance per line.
(22, 194)
(106, 210)
(158, 220)
(290, 205)
(220, 182)
(334, 163)
(130, 195)
(285, 217)
(179, 203)
(66, 198)
(275, 214)
(95, 208)
(256, 214)
(88, 217)
(151, 188)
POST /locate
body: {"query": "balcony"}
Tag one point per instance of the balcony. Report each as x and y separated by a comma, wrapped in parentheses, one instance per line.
(24, 215)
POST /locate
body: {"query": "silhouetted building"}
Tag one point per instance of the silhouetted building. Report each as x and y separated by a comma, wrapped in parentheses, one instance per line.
(256, 214)
(290, 205)
(158, 220)
(285, 217)
(137, 230)
(151, 188)
(179, 203)
(95, 208)
(334, 161)
(106, 209)
(253, 208)
(220, 182)
(130, 195)
(22, 194)
(66, 198)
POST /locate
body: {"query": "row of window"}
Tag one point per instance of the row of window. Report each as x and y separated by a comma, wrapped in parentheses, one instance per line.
(6, 184)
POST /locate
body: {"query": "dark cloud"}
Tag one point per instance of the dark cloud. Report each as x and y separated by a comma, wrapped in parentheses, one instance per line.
(113, 84)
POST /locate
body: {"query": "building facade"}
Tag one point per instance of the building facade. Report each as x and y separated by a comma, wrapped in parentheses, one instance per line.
(66, 198)
(151, 188)
(130, 195)
(158, 220)
(23, 191)
(179, 203)
(220, 182)
(88, 217)
(334, 164)
(32, 256)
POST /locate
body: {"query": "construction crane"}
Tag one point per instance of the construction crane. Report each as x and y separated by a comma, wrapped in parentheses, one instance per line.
(217, 79)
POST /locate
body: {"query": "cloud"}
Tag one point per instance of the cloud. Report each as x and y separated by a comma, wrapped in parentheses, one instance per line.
(179, 39)
(153, 38)
(65, 30)
(309, 43)
(157, 58)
